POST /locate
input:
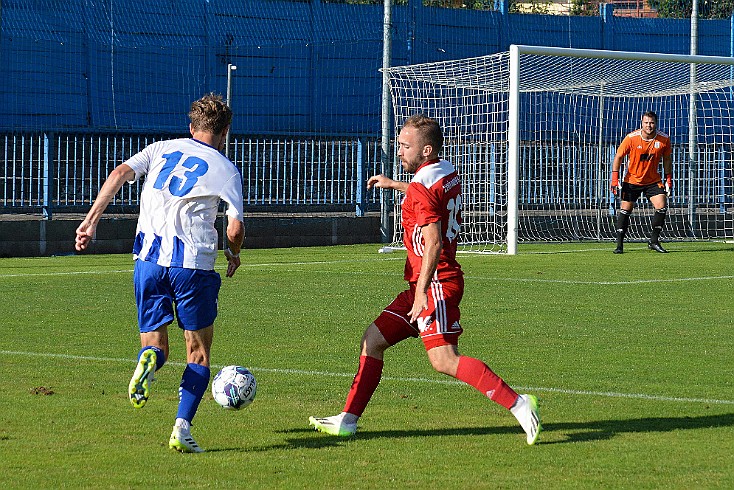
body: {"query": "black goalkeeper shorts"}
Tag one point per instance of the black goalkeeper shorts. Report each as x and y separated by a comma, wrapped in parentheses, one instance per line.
(632, 192)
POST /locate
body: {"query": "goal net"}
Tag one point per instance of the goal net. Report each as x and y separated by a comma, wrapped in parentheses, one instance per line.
(533, 133)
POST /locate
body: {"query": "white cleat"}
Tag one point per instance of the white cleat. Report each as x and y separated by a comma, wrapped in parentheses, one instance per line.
(526, 412)
(183, 442)
(334, 425)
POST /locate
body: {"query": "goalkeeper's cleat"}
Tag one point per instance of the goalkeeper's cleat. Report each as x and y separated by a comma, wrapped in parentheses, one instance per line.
(139, 387)
(182, 441)
(619, 236)
(657, 247)
(334, 425)
(526, 412)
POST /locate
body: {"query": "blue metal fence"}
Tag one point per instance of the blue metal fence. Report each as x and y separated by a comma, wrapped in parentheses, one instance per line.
(563, 174)
(62, 172)
(47, 172)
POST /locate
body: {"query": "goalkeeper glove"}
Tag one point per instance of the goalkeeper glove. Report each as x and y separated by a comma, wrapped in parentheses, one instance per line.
(615, 182)
(668, 184)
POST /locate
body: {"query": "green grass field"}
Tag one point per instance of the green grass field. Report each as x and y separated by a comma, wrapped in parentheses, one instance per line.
(631, 357)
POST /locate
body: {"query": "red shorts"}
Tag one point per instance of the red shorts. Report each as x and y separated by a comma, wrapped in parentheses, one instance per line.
(438, 325)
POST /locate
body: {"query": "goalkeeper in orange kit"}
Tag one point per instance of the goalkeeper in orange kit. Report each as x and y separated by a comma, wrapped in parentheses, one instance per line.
(645, 148)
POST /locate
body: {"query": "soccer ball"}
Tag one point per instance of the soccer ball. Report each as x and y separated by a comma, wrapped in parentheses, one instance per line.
(234, 387)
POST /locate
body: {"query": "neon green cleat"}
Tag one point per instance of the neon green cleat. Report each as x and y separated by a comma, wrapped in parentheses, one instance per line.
(526, 412)
(334, 425)
(183, 442)
(139, 387)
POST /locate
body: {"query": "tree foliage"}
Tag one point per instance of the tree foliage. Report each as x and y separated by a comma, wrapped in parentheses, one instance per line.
(680, 9)
(584, 7)
(513, 6)
(529, 7)
(677, 9)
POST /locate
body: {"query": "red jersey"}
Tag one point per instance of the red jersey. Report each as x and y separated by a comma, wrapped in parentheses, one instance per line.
(644, 157)
(434, 194)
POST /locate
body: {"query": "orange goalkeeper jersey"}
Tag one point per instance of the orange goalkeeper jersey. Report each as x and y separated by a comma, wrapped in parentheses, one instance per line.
(644, 157)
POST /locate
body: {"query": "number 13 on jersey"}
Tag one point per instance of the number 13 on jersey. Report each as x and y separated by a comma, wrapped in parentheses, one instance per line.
(180, 186)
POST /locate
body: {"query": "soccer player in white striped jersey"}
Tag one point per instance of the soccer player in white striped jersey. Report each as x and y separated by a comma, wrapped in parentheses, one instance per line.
(175, 249)
(429, 309)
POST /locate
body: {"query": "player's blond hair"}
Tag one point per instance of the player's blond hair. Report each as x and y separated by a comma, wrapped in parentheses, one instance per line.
(429, 130)
(210, 114)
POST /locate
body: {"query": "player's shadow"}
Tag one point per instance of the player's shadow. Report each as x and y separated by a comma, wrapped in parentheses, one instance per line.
(558, 432)
(607, 429)
(671, 248)
(641, 247)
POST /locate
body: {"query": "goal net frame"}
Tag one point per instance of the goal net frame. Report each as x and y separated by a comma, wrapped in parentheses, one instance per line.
(496, 154)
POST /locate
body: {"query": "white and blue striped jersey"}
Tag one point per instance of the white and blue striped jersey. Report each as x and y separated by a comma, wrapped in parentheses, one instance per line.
(185, 180)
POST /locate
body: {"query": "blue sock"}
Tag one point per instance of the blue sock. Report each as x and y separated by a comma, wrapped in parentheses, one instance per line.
(194, 382)
(160, 356)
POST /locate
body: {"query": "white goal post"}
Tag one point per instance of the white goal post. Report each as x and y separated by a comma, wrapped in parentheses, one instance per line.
(533, 133)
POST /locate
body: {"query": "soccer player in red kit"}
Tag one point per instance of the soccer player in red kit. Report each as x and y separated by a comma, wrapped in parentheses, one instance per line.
(429, 309)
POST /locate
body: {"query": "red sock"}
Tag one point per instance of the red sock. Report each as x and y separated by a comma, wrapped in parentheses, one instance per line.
(477, 374)
(364, 385)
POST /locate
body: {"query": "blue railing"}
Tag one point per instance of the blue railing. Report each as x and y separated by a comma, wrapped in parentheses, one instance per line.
(58, 172)
(62, 172)
(561, 174)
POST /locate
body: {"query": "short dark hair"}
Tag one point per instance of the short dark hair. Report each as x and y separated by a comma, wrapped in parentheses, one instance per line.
(210, 114)
(652, 115)
(429, 130)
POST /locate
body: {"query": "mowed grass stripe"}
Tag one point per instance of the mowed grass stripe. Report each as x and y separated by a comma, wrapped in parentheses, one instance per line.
(390, 274)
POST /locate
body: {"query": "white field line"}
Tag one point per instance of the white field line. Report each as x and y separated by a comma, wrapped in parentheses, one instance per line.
(299, 372)
(535, 279)
(601, 283)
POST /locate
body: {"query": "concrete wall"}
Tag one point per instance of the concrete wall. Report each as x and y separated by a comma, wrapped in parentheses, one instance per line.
(33, 237)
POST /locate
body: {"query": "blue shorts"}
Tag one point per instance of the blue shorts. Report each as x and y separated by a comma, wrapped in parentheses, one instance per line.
(192, 293)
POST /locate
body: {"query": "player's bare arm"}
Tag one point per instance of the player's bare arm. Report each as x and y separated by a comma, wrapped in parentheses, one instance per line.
(432, 245)
(87, 228)
(382, 182)
(235, 237)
